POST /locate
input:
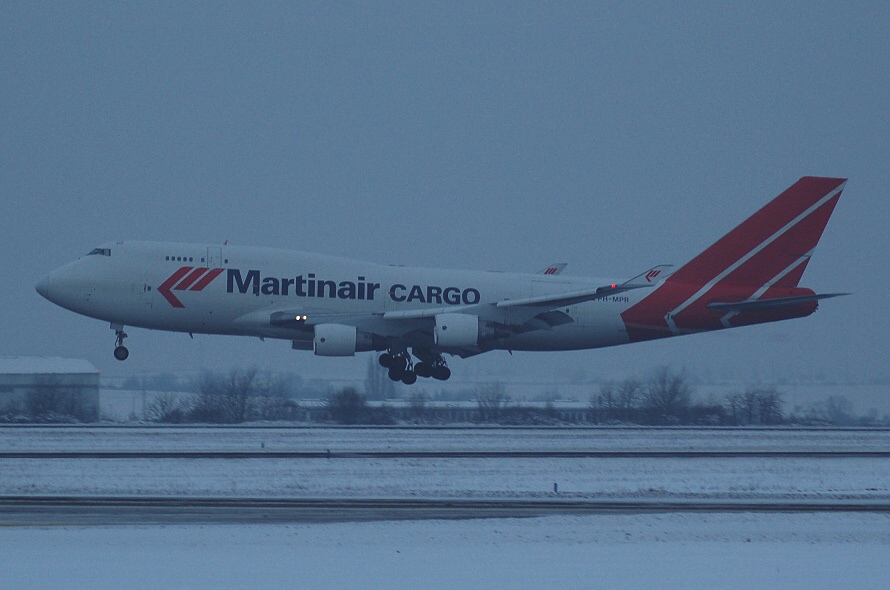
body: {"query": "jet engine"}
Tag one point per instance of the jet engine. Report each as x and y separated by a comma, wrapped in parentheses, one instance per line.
(340, 340)
(457, 330)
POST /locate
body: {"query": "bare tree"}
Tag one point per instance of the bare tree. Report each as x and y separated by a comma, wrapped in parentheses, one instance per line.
(755, 406)
(836, 410)
(167, 407)
(241, 396)
(50, 401)
(492, 400)
(378, 385)
(224, 400)
(418, 401)
(210, 404)
(44, 398)
(347, 406)
(629, 393)
(617, 401)
(604, 403)
(271, 400)
(668, 396)
(769, 406)
(238, 392)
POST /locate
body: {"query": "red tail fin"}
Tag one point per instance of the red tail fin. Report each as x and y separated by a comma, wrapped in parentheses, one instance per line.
(763, 258)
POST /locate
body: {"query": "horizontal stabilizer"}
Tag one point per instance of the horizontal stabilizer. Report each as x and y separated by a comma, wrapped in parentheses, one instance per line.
(759, 304)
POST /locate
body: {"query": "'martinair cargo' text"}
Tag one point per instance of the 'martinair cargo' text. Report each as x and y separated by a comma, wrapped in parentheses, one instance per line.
(359, 289)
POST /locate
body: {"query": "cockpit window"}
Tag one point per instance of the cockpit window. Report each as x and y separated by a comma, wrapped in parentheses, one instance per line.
(100, 252)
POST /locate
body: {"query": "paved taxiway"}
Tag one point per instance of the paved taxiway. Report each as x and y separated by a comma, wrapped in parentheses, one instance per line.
(85, 475)
(442, 454)
(107, 511)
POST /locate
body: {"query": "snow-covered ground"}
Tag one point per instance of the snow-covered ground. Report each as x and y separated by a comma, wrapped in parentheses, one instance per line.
(823, 478)
(741, 478)
(779, 551)
(24, 438)
(772, 550)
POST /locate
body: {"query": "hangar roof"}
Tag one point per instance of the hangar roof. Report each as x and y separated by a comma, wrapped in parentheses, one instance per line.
(44, 365)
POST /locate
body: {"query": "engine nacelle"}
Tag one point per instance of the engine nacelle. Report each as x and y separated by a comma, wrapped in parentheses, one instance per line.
(340, 340)
(457, 330)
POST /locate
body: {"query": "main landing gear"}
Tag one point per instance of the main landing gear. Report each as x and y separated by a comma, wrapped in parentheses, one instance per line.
(120, 351)
(402, 369)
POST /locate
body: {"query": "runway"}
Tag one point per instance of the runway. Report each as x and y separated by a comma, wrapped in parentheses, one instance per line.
(122, 510)
(671, 454)
(96, 476)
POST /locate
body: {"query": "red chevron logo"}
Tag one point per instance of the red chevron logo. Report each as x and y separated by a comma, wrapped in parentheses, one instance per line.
(187, 277)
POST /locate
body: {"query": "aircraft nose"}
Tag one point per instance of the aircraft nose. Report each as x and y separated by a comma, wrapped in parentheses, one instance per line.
(42, 287)
(69, 286)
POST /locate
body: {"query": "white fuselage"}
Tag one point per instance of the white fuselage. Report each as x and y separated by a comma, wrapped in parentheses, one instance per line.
(136, 284)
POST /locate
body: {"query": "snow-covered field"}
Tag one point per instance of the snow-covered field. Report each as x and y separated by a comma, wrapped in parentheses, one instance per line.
(727, 478)
(742, 478)
(775, 550)
(23, 438)
(810, 551)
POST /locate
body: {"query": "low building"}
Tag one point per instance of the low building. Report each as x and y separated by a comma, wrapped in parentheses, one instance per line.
(44, 388)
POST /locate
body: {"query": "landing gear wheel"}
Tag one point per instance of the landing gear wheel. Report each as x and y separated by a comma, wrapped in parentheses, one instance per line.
(431, 364)
(399, 365)
(442, 373)
(409, 378)
(120, 351)
(423, 370)
(396, 373)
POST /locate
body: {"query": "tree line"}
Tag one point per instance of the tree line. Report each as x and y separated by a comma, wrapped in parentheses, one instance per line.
(49, 401)
(665, 398)
(240, 396)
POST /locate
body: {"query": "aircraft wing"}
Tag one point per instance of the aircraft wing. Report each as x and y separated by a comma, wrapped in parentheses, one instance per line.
(516, 312)
(512, 315)
(571, 298)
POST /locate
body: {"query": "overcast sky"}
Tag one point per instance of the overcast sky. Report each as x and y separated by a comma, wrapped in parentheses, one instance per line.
(475, 135)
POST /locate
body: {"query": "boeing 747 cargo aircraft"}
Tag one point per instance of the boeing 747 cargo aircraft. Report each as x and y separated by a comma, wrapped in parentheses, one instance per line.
(416, 316)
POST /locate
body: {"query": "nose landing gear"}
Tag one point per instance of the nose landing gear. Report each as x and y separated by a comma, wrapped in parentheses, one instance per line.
(120, 351)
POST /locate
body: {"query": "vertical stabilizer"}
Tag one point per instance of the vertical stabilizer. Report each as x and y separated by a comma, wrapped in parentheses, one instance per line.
(762, 258)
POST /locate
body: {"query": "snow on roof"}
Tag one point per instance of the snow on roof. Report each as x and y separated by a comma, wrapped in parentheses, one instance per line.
(44, 365)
